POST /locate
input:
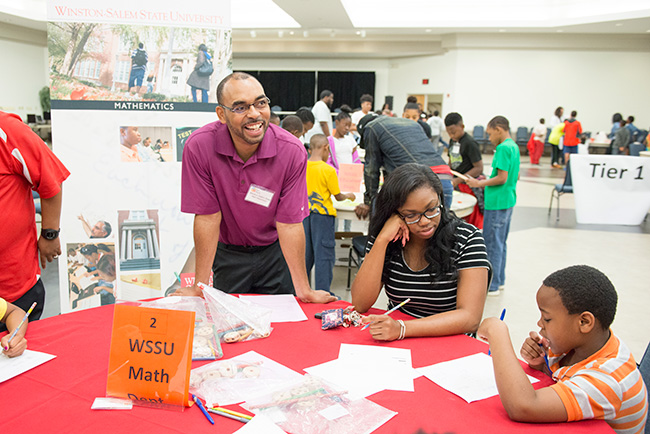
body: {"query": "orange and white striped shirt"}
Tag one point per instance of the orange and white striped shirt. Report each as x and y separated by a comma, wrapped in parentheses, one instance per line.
(607, 385)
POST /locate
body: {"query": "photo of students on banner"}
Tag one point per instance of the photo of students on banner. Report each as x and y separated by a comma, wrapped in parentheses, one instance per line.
(91, 274)
(96, 61)
(182, 134)
(146, 144)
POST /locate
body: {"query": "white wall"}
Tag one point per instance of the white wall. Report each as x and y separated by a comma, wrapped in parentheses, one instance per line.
(524, 85)
(24, 73)
(378, 66)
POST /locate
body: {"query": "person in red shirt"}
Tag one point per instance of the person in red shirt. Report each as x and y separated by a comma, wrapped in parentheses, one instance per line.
(572, 131)
(26, 164)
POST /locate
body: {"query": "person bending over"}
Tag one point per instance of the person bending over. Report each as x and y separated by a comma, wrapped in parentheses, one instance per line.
(595, 373)
(417, 249)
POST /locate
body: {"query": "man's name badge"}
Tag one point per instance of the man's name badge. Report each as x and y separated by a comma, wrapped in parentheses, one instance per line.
(259, 195)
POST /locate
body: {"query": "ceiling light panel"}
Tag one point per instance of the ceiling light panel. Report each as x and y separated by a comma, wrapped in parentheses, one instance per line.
(260, 14)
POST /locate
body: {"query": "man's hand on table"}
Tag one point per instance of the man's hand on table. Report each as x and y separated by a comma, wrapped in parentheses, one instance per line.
(194, 291)
(362, 211)
(313, 296)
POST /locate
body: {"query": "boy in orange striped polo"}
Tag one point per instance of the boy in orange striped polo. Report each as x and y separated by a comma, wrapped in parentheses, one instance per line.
(595, 373)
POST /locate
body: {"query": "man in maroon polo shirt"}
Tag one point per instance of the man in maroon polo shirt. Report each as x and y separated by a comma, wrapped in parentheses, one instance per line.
(245, 181)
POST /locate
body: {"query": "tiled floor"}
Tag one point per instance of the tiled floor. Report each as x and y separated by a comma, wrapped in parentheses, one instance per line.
(537, 246)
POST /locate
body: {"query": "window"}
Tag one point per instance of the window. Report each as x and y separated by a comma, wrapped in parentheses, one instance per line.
(122, 71)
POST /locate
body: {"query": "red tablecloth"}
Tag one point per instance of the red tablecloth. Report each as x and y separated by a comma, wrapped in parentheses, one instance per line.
(56, 396)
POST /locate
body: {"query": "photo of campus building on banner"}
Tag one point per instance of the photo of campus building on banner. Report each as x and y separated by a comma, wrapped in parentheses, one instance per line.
(91, 61)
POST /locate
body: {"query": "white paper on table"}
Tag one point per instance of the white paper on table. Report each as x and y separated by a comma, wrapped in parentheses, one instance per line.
(470, 377)
(284, 306)
(363, 370)
(260, 425)
(11, 367)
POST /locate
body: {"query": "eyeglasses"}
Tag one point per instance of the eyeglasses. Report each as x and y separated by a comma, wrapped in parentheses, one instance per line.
(431, 213)
(240, 109)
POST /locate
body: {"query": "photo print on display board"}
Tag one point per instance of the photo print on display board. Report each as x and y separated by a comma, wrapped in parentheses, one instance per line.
(91, 274)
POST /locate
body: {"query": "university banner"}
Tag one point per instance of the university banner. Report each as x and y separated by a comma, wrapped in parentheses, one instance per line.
(129, 82)
(611, 189)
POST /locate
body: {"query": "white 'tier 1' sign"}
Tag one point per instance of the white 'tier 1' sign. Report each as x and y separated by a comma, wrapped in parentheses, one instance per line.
(611, 189)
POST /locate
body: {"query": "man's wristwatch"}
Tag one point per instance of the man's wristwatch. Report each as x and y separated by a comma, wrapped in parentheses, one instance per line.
(50, 234)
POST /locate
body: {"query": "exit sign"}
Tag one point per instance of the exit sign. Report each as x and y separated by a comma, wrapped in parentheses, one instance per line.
(425, 81)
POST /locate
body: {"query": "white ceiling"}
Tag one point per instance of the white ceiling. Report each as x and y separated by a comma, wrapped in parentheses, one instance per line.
(393, 28)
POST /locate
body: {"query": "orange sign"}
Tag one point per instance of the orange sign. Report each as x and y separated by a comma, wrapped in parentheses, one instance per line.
(151, 355)
(350, 177)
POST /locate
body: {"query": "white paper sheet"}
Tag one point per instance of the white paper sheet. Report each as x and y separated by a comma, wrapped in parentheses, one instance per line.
(470, 377)
(366, 369)
(260, 424)
(11, 367)
(284, 306)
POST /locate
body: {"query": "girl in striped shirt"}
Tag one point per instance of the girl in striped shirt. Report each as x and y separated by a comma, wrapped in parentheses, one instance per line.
(417, 249)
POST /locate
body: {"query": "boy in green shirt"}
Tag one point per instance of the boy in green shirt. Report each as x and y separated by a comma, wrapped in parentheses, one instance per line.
(500, 198)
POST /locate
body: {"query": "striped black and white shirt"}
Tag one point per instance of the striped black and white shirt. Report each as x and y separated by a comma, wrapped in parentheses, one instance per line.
(432, 294)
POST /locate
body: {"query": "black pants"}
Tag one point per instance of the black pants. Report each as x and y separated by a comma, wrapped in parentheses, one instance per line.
(35, 294)
(256, 270)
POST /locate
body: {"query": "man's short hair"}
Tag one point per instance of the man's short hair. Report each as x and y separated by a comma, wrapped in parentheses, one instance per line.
(436, 112)
(366, 98)
(305, 115)
(140, 45)
(630, 119)
(343, 115)
(226, 79)
(292, 123)
(317, 141)
(574, 114)
(453, 118)
(107, 228)
(499, 122)
(325, 94)
(411, 106)
(585, 289)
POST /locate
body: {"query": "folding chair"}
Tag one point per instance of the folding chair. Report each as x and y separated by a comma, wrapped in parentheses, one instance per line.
(560, 189)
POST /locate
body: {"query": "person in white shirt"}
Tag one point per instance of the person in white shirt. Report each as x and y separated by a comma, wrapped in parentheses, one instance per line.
(145, 152)
(343, 151)
(537, 141)
(366, 106)
(321, 111)
(436, 124)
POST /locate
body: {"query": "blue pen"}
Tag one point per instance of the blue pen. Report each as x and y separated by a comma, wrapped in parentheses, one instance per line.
(203, 410)
(503, 315)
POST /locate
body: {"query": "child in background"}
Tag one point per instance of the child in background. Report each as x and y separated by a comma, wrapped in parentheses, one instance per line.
(293, 124)
(554, 139)
(274, 119)
(597, 377)
(322, 183)
(343, 147)
(500, 198)
(12, 315)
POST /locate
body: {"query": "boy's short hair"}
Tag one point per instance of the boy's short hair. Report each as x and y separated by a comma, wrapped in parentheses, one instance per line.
(584, 288)
(292, 123)
(305, 115)
(366, 98)
(453, 118)
(317, 141)
(274, 115)
(499, 122)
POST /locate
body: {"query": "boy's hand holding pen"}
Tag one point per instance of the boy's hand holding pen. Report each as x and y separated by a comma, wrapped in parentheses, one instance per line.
(534, 350)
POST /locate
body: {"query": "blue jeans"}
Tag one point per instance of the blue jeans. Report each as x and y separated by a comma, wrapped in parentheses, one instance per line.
(319, 248)
(496, 225)
(137, 75)
(204, 94)
(448, 191)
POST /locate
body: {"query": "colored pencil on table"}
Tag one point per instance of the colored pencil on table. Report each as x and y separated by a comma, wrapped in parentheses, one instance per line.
(20, 325)
(202, 408)
(228, 415)
(234, 413)
(388, 312)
